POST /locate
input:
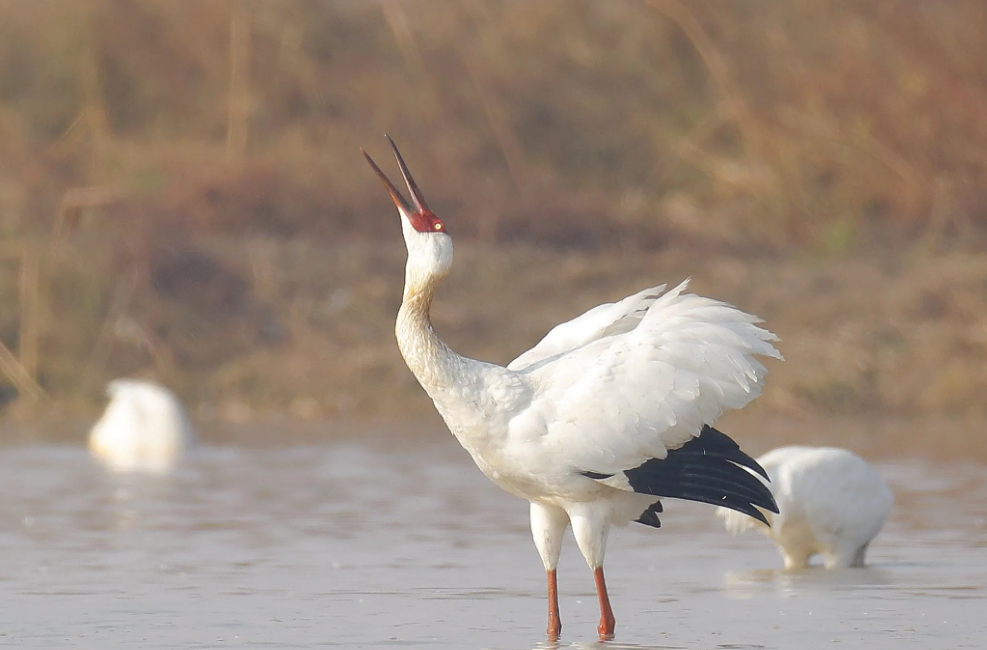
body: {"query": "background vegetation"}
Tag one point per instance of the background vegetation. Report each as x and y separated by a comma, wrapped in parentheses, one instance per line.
(182, 195)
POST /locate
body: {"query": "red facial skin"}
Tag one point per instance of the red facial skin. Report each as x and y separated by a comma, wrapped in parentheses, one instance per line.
(426, 221)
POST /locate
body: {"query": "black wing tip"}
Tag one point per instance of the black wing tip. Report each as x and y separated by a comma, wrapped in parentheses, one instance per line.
(711, 469)
(753, 465)
(755, 513)
(713, 441)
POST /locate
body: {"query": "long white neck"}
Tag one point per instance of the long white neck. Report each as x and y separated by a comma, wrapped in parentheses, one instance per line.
(471, 396)
(432, 362)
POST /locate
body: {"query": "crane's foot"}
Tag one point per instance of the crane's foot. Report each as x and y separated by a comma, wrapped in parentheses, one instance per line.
(554, 630)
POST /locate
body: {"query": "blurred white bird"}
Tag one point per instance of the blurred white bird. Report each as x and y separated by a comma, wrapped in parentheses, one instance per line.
(607, 413)
(830, 501)
(144, 428)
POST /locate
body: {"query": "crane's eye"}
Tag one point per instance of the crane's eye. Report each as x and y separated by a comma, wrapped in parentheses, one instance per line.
(438, 226)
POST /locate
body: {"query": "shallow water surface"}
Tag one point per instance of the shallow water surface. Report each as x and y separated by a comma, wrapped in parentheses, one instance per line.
(368, 545)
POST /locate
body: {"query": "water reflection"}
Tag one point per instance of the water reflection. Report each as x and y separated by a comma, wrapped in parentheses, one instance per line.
(812, 578)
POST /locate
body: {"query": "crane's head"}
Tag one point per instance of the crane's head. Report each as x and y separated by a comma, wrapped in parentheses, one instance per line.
(429, 245)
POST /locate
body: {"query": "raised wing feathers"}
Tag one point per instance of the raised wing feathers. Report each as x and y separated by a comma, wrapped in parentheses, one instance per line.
(610, 402)
(601, 321)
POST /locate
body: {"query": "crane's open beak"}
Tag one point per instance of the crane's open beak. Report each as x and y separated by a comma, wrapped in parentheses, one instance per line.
(399, 201)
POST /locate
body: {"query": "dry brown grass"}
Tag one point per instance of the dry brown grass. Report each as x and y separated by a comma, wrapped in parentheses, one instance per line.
(816, 123)
(269, 326)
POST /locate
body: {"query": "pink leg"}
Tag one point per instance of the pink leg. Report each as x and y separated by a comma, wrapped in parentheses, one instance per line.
(606, 614)
(554, 622)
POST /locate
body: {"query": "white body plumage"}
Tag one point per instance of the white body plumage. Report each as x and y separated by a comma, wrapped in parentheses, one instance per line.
(831, 502)
(144, 428)
(608, 413)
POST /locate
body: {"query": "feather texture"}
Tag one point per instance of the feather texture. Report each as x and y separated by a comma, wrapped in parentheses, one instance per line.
(639, 384)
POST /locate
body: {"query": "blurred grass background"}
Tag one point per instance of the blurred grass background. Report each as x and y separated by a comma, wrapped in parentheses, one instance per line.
(182, 195)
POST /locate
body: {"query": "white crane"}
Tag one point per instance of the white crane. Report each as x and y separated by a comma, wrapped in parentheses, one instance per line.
(144, 428)
(610, 411)
(830, 501)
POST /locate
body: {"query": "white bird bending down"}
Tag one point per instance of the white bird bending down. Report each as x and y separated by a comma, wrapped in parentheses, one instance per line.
(830, 502)
(610, 411)
(144, 427)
